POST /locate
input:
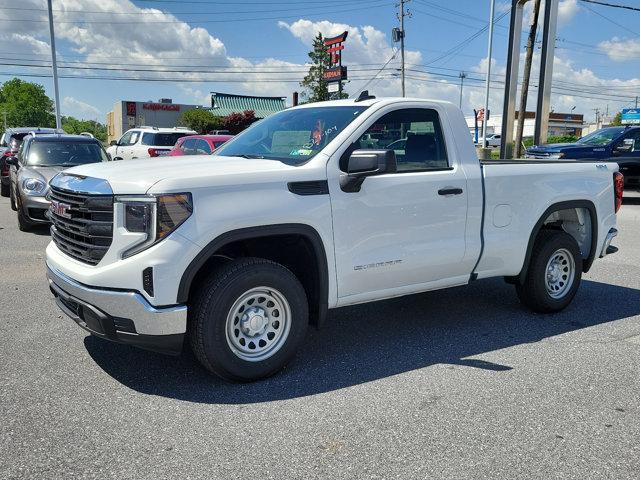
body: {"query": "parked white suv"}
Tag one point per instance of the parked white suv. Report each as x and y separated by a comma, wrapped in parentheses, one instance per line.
(316, 207)
(143, 142)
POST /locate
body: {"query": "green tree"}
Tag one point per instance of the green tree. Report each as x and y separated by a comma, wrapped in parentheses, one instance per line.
(201, 120)
(26, 104)
(74, 126)
(314, 85)
(617, 120)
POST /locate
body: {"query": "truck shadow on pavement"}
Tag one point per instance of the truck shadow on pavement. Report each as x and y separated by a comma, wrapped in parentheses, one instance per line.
(368, 342)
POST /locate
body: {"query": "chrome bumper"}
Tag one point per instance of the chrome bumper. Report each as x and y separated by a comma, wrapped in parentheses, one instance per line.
(120, 315)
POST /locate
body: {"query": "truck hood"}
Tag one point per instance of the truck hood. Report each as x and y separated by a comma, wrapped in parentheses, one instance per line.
(138, 176)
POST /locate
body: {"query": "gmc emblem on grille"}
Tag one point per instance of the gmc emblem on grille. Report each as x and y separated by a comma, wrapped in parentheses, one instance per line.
(60, 209)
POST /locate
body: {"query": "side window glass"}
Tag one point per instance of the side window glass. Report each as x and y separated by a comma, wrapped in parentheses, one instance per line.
(134, 138)
(203, 147)
(415, 135)
(635, 136)
(188, 146)
(124, 140)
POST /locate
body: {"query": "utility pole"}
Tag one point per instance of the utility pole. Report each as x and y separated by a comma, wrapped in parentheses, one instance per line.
(401, 16)
(522, 110)
(597, 110)
(54, 65)
(488, 84)
(462, 77)
(636, 101)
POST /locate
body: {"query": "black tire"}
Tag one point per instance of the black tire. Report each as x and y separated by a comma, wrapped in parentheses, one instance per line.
(533, 292)
(213, 302)
(24, 225)
(4, 190)
(14, 207)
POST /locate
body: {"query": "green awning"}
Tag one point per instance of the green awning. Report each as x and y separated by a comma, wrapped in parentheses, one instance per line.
(223, 104)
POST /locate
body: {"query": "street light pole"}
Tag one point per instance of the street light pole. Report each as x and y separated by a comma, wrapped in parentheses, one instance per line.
(54, 65)
(462, 77)
(488, 83)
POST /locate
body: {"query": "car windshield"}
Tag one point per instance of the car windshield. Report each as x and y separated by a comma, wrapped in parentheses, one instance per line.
(601, 137)
(161, 139)
(291, 136)
(66, 154)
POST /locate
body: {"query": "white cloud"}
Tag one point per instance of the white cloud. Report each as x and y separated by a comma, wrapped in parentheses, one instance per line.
(621, 50)
(79, 109)
(567, 9)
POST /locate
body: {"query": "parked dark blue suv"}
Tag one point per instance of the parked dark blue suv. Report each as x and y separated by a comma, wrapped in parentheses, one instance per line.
(611, 144)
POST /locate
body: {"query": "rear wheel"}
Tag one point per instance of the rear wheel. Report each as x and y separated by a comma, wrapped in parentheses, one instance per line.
(554, 273)
(248, 319)
(13, 199)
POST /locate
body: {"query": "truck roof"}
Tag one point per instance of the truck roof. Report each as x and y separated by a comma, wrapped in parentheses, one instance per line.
(351, 102)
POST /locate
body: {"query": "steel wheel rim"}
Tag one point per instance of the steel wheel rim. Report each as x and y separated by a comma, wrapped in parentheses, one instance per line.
(258, 324)
(560, 273)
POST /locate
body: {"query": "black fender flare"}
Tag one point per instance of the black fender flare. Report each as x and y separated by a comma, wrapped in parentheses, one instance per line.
(318, 312)
(591, 208)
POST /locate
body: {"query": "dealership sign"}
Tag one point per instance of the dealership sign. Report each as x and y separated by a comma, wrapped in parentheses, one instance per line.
(630, 116)
(171, 107)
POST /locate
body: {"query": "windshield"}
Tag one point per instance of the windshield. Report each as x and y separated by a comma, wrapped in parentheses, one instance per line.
(601, 137)
(161, 139)
(291, 136)
(66, 154)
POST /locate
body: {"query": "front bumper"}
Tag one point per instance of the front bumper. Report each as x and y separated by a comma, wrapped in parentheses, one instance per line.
(119, 315)
(35, 208)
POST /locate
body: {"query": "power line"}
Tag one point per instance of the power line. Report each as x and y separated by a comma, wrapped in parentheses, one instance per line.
(155, 22)
(611, 21)
(606, 4)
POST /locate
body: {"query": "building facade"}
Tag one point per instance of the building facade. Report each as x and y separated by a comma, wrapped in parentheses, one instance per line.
(560, 124)
(129, 114)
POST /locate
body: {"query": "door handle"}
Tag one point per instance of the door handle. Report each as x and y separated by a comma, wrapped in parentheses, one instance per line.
(450, 191)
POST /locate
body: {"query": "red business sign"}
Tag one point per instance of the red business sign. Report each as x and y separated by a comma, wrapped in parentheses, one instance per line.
(131, 109)
(161, 106)
(334, 74)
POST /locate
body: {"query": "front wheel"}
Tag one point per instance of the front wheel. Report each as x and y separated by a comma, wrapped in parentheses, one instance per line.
(4, 190)
(554, 273)
(14, 207)
(248, 319)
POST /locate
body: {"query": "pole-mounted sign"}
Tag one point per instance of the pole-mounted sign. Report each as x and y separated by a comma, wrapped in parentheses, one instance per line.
(335, 73)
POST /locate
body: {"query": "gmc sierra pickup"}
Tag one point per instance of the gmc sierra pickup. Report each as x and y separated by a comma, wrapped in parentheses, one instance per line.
(309, 210)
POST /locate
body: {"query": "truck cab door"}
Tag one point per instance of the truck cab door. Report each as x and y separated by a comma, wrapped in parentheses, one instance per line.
(401, 231)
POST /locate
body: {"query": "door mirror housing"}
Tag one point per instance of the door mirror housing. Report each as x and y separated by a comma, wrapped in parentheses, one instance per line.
(626, 146)
(366, 163)
(113, 143)
(12, 161)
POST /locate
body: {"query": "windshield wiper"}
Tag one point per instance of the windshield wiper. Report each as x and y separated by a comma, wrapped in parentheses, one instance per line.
(247, 155)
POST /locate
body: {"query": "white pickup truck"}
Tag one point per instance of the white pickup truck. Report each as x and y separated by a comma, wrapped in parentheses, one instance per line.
(308, 210)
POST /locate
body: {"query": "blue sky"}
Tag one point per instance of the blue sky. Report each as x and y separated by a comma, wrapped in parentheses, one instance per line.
(260, 47)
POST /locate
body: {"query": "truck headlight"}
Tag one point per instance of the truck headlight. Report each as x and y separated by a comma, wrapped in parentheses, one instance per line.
(154, 216)
(33, 186)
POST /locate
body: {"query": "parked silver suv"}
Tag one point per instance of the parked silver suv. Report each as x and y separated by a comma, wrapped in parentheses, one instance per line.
(38, 160)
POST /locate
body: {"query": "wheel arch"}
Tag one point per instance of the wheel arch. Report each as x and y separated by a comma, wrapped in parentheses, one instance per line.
(318, 298)
(541, 223)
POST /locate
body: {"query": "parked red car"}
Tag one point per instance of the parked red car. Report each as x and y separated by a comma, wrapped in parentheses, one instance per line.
(198, 144)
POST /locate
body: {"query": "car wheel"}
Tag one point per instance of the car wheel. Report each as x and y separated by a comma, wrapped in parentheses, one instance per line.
(4, 190)
(13, 199)
(554, 273)
(24, 225)
(248, 319)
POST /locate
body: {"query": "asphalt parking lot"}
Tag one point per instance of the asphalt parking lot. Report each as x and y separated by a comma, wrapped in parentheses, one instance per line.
(463, 383)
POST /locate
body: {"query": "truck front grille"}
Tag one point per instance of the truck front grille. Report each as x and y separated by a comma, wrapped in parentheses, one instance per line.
(82, 225)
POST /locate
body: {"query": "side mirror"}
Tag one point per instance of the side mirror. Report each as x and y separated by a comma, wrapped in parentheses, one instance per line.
(113, 142)
(12, 161)
(366, 163)
(626, 146)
